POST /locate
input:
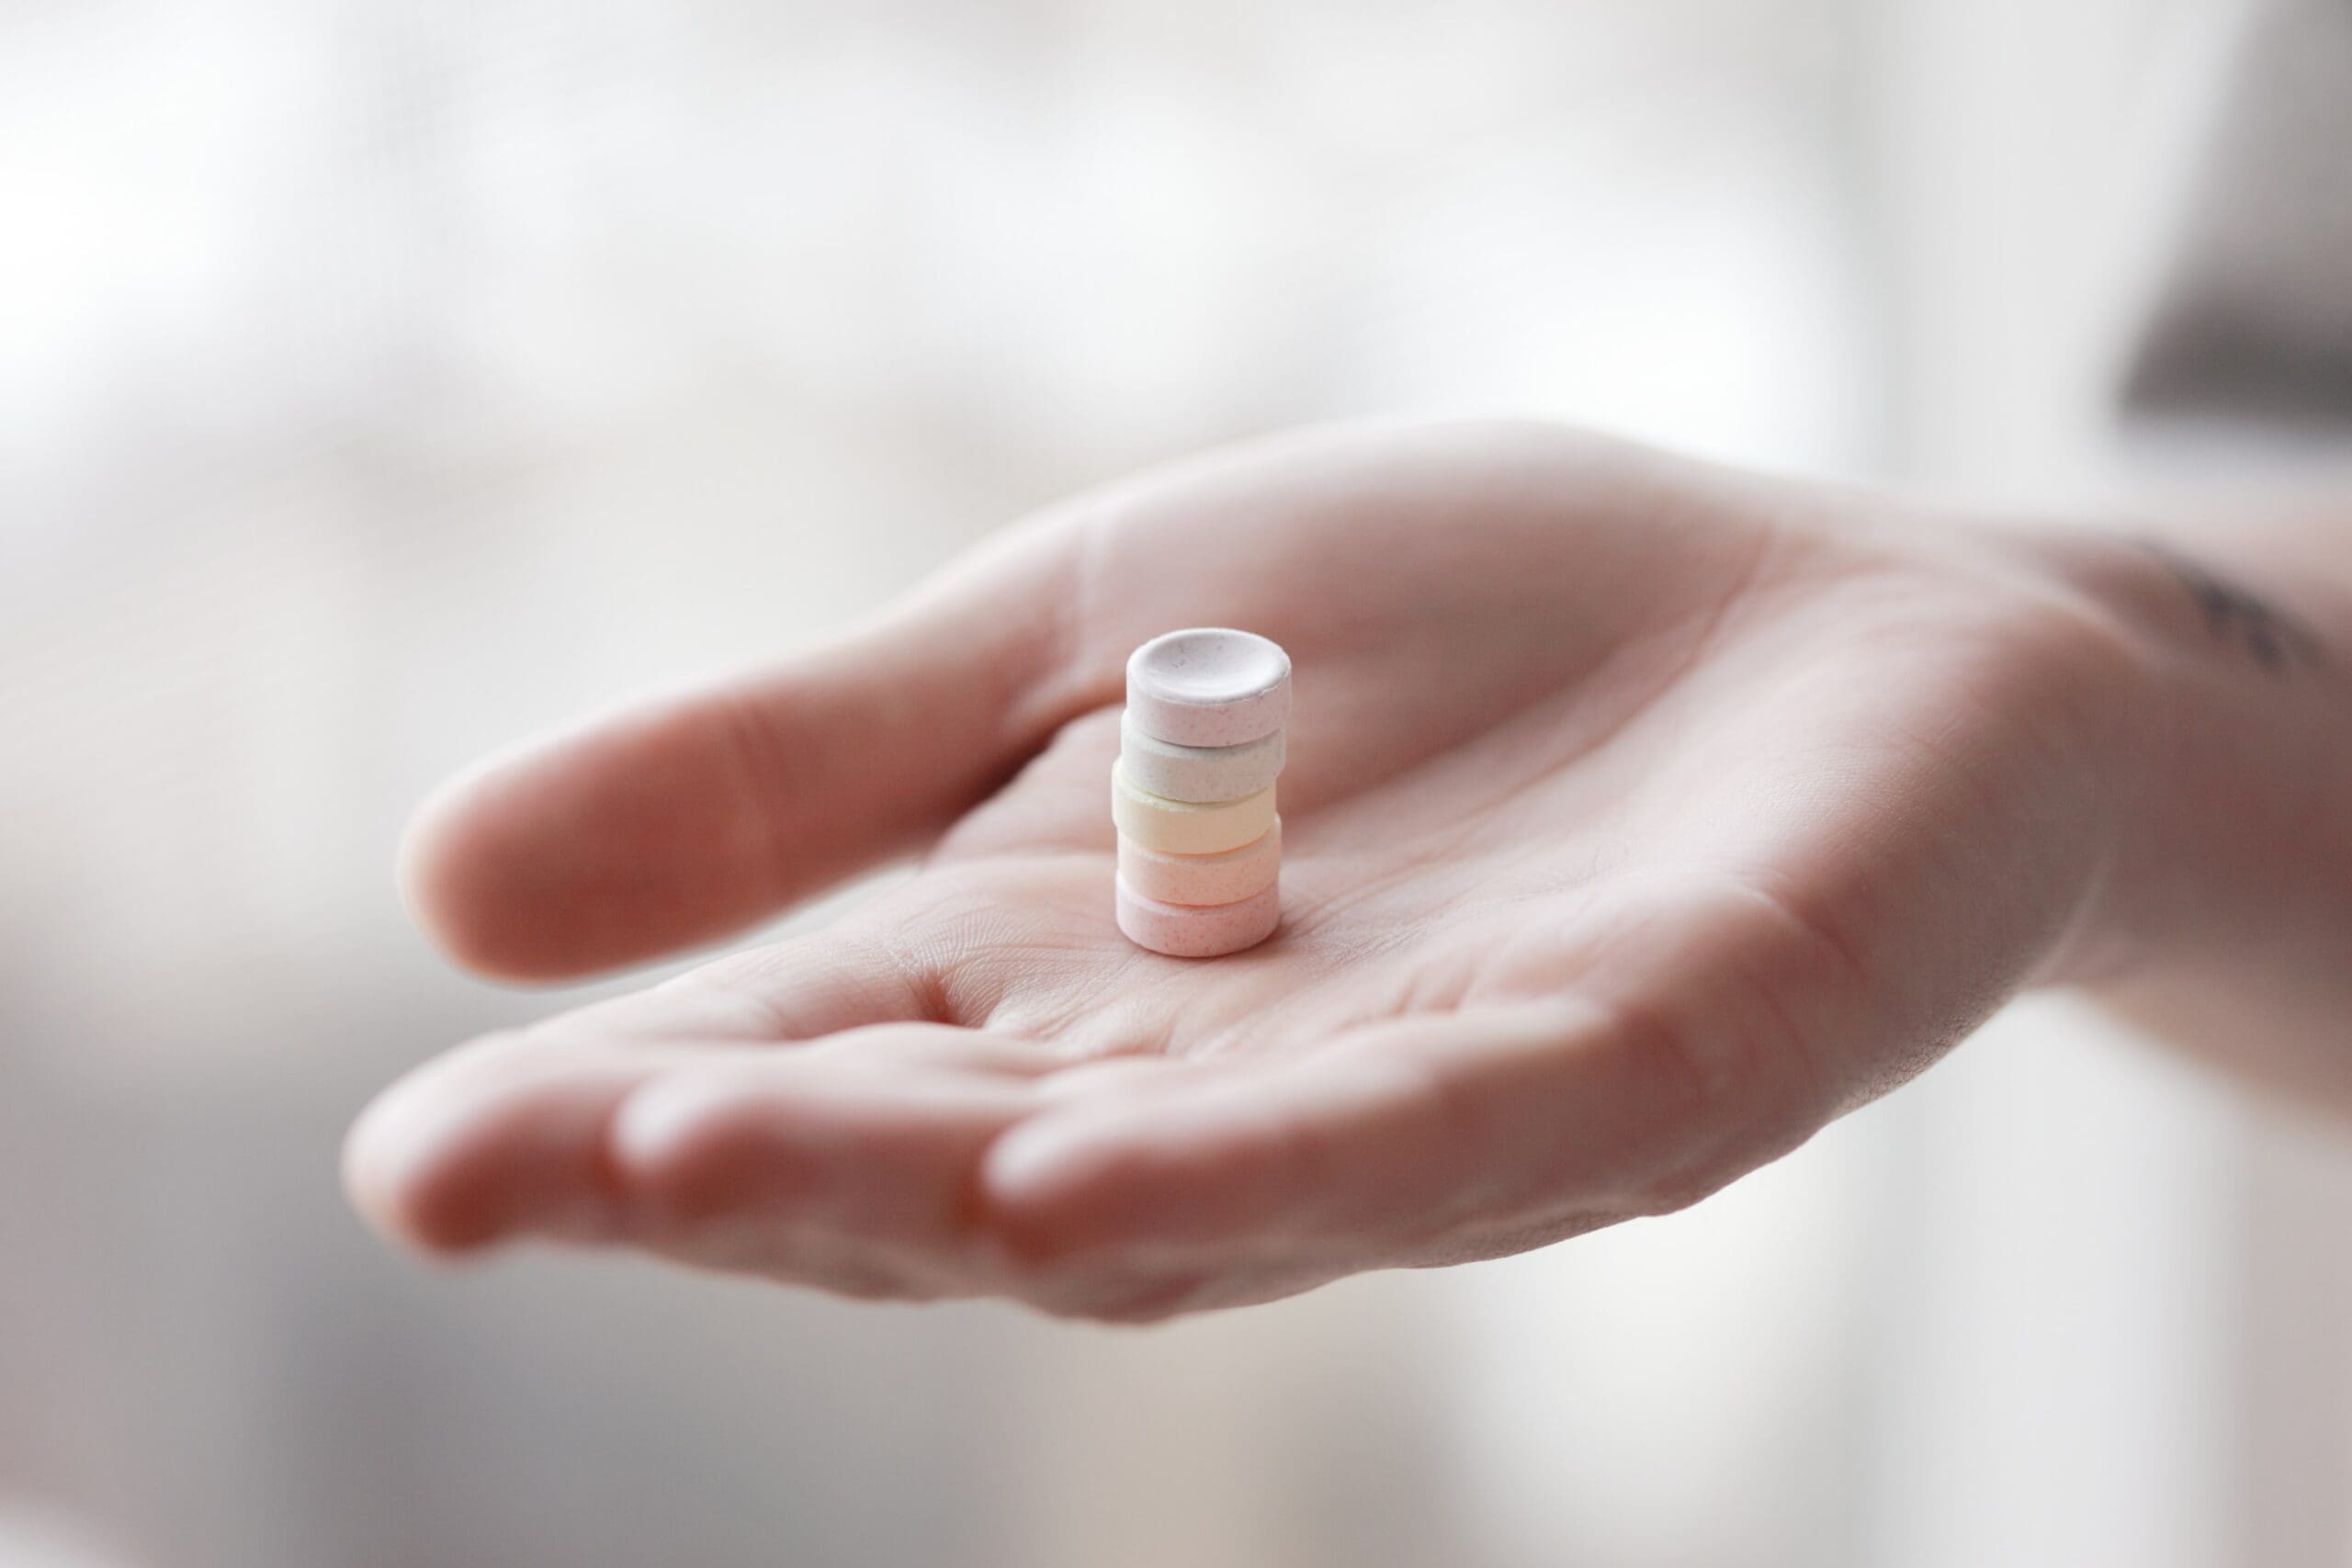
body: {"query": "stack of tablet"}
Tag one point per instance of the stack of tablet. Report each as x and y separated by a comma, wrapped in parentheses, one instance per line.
(1192, 794)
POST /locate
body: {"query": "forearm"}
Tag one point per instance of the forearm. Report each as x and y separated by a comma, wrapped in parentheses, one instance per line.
(2224, 921)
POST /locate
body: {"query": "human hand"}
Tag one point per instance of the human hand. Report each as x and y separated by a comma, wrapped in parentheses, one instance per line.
(1641, 817)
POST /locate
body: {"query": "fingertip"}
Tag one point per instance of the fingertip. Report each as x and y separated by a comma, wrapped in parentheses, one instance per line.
(447, 871)
(608, 844)
(501, 1139)
(505, 865)
(408, 1172)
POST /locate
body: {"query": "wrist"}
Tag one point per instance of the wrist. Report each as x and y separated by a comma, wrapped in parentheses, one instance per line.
(2224, 764)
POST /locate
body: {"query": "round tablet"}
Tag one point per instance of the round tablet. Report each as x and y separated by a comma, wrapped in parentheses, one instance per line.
(1198, 773)
(1199, 880)
(1182, 932)
(1209, 686)
(1185, 826)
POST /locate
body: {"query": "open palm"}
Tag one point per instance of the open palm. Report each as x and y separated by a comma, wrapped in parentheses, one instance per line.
(1641, 818)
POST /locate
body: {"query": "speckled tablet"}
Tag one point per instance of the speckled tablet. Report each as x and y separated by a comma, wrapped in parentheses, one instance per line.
(1209, 686)
(1199, 880)
(1185, 826)
(1198, 774)
(1184, 932)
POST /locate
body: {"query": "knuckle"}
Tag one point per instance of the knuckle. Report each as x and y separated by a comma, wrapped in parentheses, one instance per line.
(1728, 1089)
(1711, 1074)
(686, 1157)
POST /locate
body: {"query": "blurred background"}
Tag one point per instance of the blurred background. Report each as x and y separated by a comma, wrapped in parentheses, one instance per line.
(380, 381)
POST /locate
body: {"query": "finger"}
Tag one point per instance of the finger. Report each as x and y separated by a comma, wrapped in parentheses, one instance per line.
(1390, 1145)
(501, 1139)
(687, 819)
(853, 1160)
(508, 1136)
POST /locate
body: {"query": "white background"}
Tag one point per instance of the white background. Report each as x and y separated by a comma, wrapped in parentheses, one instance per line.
(380, 381)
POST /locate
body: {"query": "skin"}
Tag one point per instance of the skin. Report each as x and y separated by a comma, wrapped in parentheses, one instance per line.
(1642, 816)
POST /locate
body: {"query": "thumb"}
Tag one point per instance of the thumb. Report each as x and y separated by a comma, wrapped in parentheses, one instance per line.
(682, 820)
